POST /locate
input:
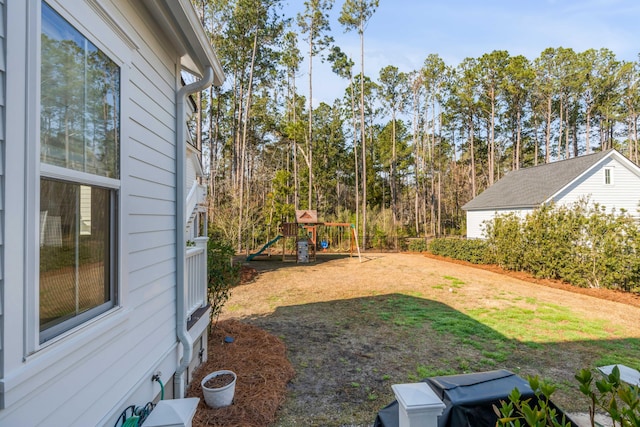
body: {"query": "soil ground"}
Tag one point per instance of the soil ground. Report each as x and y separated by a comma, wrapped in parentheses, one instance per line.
(338, 318)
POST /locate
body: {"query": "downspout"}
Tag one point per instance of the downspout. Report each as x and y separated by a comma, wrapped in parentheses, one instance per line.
(181, 155)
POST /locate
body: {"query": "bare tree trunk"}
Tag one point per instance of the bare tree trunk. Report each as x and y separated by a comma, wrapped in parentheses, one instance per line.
(561, 109)
(416, 113)
(588, 130)
(235, 171)
(394, 196)
(473, 159)
(492, 142)
(567, 153)
(355, 151)
(417, 213)
(310, 142)
(634, 156)
(547, 142)
(362, 135)
(296, 178)
(516, 162)
(244, 143)
(537, 143)
(212, 149)
(439, 230)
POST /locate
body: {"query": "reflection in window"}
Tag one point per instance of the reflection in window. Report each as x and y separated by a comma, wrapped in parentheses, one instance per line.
(74, 256)
(79, 122)
(79, 112)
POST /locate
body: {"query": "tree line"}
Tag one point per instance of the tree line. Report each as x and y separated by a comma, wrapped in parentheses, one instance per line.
(400, 152)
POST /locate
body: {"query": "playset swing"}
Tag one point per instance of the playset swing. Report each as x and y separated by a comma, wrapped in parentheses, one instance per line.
(305, 233)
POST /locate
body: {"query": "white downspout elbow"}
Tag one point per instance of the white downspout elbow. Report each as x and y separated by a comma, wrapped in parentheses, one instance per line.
(184, 337)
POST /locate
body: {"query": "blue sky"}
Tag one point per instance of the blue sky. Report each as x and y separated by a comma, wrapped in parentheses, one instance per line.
(404, 32)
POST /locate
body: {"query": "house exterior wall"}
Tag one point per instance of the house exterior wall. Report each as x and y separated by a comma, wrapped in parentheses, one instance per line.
(88, 375)
(3, 61)
(191, 170)
(621, 193)
(476, 219)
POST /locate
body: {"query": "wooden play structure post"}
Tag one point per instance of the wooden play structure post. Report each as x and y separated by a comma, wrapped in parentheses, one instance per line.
(288, 229)
(308, 221)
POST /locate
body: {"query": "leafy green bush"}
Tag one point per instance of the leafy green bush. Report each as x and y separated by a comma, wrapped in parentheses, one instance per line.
(223, 274)
(608, 254)
(618, 400)
(580, 243)
(473, 250)
(417, 245)
(507, 246)
(539, 412)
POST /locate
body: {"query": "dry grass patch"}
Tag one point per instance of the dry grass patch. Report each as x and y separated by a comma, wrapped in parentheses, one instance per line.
(353, 329)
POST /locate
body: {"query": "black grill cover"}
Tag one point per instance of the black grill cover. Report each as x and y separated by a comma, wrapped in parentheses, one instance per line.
(469, 398)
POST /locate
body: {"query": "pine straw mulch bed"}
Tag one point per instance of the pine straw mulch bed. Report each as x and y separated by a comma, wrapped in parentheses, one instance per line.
(259, 360)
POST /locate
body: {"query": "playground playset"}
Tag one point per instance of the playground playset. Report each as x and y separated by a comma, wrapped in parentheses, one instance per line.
(305, 232)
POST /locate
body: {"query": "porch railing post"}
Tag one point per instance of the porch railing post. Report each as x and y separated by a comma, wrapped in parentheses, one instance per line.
(418, 405)
(203, 275)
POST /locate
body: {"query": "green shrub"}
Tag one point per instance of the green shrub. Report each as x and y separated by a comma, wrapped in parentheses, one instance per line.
(538, 412)
(580, 243)
(472, 250)
(505, 241)
(417, 245)
(618, 400)
(607, 256)
(223, 274)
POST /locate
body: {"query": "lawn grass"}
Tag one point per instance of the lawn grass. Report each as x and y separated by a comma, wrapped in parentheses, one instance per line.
(355, 329)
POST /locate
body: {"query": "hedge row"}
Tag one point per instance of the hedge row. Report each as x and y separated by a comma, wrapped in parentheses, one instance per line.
(581, 244)
(474, 251)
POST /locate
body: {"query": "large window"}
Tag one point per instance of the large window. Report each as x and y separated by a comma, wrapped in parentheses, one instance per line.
(79, 177)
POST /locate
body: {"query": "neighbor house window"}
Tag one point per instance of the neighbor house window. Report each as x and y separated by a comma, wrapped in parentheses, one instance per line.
(608, 176)
(79, 177)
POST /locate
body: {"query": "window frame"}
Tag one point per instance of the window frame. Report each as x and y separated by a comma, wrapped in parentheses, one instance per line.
(60, 174)
(35, 170)
(608, 175)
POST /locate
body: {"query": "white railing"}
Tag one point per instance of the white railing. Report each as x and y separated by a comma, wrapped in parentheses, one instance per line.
(197, 195)
(196, 275)
(192, 200)
(195, 200)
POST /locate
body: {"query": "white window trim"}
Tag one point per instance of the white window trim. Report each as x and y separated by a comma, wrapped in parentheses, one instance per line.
(70, 175)
(34, 170)
(611, 170)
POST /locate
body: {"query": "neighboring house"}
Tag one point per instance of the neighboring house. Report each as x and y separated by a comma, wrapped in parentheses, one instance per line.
(99, 289)
(607, 178)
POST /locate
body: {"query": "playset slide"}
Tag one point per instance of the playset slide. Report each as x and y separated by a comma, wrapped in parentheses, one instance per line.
(264, 248)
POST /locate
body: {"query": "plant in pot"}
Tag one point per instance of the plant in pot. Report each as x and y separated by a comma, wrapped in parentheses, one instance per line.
(218, 388)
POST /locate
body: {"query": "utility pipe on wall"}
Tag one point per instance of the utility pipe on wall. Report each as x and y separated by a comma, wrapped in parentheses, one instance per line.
(181, 155)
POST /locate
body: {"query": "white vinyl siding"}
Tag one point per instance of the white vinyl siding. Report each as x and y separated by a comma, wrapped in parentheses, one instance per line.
(191, 174)
(108, 364)
(621, 193)
(2, 150)
(476, 220)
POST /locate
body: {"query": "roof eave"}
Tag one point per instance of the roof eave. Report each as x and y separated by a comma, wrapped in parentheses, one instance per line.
(179, 21)
(611, 153)
(500, 208)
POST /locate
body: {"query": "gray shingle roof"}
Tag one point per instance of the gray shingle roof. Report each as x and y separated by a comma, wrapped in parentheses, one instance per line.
(530, 187)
